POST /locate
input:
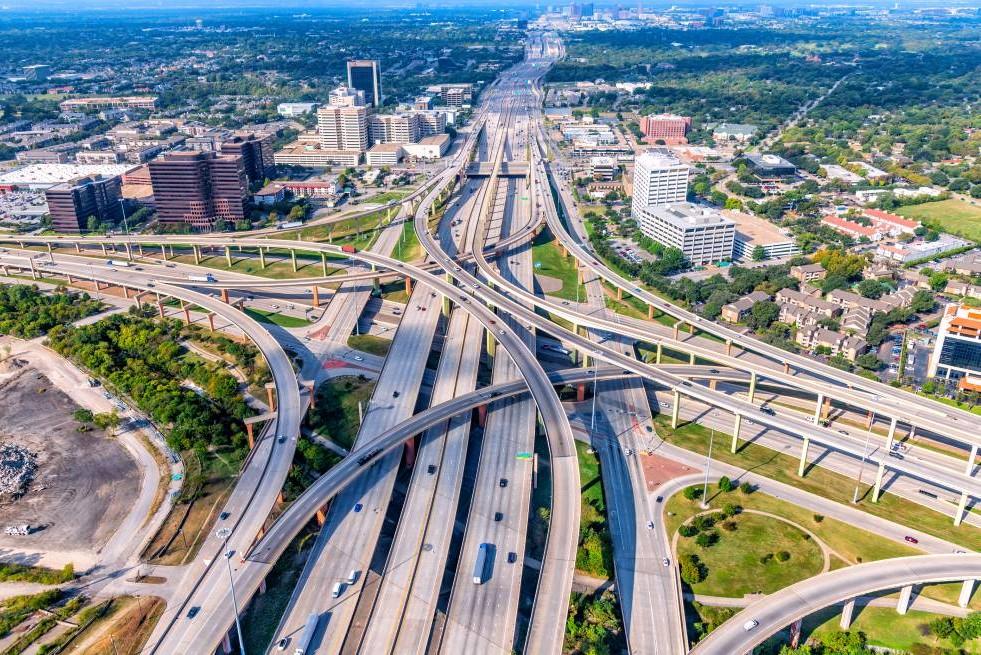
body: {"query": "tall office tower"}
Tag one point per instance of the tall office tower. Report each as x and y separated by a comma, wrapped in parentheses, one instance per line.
(346, 96)
(431, 122)
(957, 353)
(395, 128)
(71, 203)
(256, 153)
(365, 75)
(659, 179)
(343, 128)
(199, 189)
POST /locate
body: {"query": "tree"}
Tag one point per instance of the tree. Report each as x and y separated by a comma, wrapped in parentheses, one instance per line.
(938, 281)
(692, 569)
(759, 254)
(871, 288)
(725, 484)
(869, 361)
(763, 314)
(923, 301)
(83, 415)
(692, 493)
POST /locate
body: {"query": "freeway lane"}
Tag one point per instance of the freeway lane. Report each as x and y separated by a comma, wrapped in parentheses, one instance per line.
(783, 607)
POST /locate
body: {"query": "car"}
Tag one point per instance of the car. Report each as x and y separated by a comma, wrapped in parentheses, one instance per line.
(714, 371)
(912, 540)
(749, 625)
(650, 525)
(659, 499)
(358, 507)
(503, 483)
(512, 557)
(431, 469)
(281, 438)
(191, 613)
(223, 516)
(475, 285)
(768, 411)
(395, 394)
(283, 643)
(432, 294)
(665, 562)
(844, 432)
(498, 517)
(358, 358)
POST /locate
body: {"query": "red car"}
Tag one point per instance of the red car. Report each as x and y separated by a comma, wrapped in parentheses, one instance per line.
(912, 540)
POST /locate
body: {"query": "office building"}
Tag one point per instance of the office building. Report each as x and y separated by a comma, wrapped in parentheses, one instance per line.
(431, 122)
(37, 72)
(703, 235)
(603, 168)
(256, 153)
(199, 189)
(957, 353)
(739, 132)
(454, 95)
(346, 96)
(148, 103)
(385, 154)
(71, 203)
(293, 109)
(659, 179)
(365, 76)
(394, 128)
(343, 128)
(669, 128)
(769, 167)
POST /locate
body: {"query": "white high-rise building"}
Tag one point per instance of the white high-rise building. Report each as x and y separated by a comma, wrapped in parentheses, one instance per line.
(395, 128)
(343, 128)
(659, 179)
(702, 234)
(345, 96)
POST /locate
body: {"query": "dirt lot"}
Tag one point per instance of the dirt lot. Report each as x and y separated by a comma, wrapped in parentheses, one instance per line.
(85, 483)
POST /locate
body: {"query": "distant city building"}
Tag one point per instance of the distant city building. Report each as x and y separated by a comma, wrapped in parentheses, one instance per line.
(199, 189)
(669, 128)
(423, 103)
(394, 128)
(429, 147)
(454, 95)
(343, 128)
(71, 203)
(36, 72)
(659, 179)
(432, 122)
(770, 166)
(385, 154)
(702, 234)
(120, 102)
(346, 96)
(293, 109)
(603, 168)
(256, 153)
(365, 76)
(738, 132)
(957, 353)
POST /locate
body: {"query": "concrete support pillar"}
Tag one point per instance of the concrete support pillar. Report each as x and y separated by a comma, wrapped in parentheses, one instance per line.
(311, 387)
(187, 314)
(250, 434)
(728, 347)
(580, 392)
(619, 293)
(966, 592)
(163, 252)
(323, 264)
(905, 595)
(125, 290)
(103, 249)
(961, 506)
(262, 587)
(408, 286)
(869, 420)
(817, 408)
(786, 368)
(675, 331)
(752, 385)
(129, 251)
(224, 296)
(660, 349)
(262, 258)
(321, 516)
(271, 396)
(226, 644)
(139, 249)
(197, 255)
(49, 247)
(160, 308)
(691, 328)
(316, 296)
(77, 249)
(293, 259)
(71, 280)
(211, 321)
(172, 252)
(892, 434)
(446, 305)
(803, 457)
(481, 415)
(650, 312)
(826, 410)
(582, 277)
(410, 452)
(228, 256)
(969, 469)
(491, 345)
(98, 284)
(691, 359)
(713, 384)
(846, 614)
(877, 489)
(736, 425)
(675, 407)
(279, 498)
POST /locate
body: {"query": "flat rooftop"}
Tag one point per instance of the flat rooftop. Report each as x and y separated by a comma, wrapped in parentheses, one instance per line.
(685, 215)
(42, 175)
(756, 231)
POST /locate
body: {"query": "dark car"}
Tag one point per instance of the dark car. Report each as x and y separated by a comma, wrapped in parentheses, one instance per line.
(191, 613)
(395, 394)
(912, 540)
(768, 411)
(223, 515)
(498, 516)
(512, 557)
(503, 482)
(431, 468)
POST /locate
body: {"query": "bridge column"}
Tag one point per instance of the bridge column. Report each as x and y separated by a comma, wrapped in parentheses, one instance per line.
(228, 256)
(676, 331)
(803, 457)
(691, 328)
(323, 264)
(691, 359)
(187, 312)
(713, 384)
(77, 249)
(139, 249)
(737, 424)
(251, 436)
(129, 251)
(620, 293)
(160, 308)
(316, 296)
(786, 368)
(211, 321)
(676, 405)
(580, 392)
(905, 594)
(408, 286)
(966, 592)
(490, 343)
(481, 415)
(877, 489)
(163, 251)
(660, 348)
(262, 258)
(171, 252)
(869, 420)
(70, 278)
(293, 258)
(262, 587)
(446, 308)
(650, 312)
(961, 506)
(322, 516)
(226, 644)
(969, 469)
(271, 396)
(197, 254)
(892, 433)
(846, 614)
(728, 347)
(224, 296)
(104, 253)
(752, 385)
(818, 413)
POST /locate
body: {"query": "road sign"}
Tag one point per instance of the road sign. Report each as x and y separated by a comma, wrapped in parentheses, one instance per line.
(523, 456)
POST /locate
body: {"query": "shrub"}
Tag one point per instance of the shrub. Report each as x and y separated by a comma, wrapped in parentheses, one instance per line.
(692, 493)
(692, 569)
(707, 539)
(783, 556)
(818, 518)
(729, 526)
(688, 530)
(766, 558)
(703, 522)
(726, 485)
(731, 509)
(747, 488)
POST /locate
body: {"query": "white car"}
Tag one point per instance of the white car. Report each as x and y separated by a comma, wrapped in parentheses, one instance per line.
(358, 358)
(751, 624)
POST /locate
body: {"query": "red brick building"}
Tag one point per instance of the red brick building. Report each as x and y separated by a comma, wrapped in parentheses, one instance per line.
(665, 127)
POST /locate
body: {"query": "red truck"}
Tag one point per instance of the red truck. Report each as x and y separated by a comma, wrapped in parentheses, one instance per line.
(350, 249)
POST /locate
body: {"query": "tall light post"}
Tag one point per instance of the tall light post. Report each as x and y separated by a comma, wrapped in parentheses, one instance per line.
(122, 206)
(592, 422)
(708, 463)
(861, 468)
(231, 583)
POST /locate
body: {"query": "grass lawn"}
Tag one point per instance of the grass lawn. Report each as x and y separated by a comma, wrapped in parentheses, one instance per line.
(408, 249)
(370, 344)
(736, 563)
(550, 262)
(277, 268)
(884, 627)
(595, 554)
(951, 215)
(348, 227)
(388, 196)
(282, 320)
(336, 413)
(822, 482)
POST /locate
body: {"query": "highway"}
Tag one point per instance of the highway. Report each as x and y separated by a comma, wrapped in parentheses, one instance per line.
(781, 608)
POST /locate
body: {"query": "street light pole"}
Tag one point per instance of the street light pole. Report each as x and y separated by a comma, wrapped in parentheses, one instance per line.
(708, 463)
(231, 583)
(861, 468)
(592, 423)
(122, 206)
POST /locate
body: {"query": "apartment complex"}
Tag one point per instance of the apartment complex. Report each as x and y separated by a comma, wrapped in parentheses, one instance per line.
(659, 179)
(365, 76)
(148, 103)
(702, 234)
(200, 189)
(71, 203)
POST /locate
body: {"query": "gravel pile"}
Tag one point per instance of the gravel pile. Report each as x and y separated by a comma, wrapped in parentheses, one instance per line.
(17, 468)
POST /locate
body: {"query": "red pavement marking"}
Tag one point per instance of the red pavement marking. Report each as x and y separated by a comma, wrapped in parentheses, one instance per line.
(659, 470)
(334, 363)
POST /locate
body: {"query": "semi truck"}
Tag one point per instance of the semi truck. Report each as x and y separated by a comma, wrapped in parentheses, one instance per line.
(202, 278)
(481, 564)
(307, 635)
(289, 225)
(350, 249)
(116, 262)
